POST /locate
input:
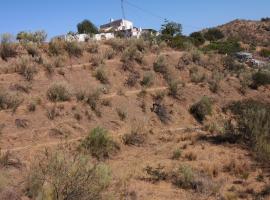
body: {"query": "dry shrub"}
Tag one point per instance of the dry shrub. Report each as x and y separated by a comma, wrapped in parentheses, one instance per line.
(196, 76)
(32, 49)
(137, 135)
(99, 144)
(59, 92)
(25, 88)
(175, 88)
(73, 49)
(59, 61)
(52, 112)
(148, 79)
(101, 75)
(57, 47)
(214, 83)
(176, 154)
(201, 109)
(191, 156)
(97, 60)
(60, 175)
(161, 65)
(26, 68)
(130, 55)
(93, 99)
(187, 178)
(162, 113)
(9, 100)
(7, 48)
(109, 54)
(117, 44)
(9, 194)
(252, 126)
(184, 61)
(132, 79)
(236, 168)
(92, 47)
(48, 67)
(22, 123)
(121, 113)
(8, 160)
(140, 44)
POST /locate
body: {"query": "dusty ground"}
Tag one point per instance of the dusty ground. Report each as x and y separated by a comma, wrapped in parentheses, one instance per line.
(127, 166)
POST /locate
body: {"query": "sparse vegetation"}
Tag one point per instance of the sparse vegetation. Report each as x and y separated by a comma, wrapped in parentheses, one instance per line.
(73, 49)
(252, 126)
(26, 68)
(176, 154)
(99, 144)
(121, 113)
(101, 75)
(132, 79)
(136, 137)
(7, 48)
(201, 109)
(57, 47)
(9, 100)
(148, 79)
(59, 92)
(260, 78)
(60, 175)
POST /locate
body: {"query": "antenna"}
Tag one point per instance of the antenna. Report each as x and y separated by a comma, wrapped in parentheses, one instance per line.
(123, 10)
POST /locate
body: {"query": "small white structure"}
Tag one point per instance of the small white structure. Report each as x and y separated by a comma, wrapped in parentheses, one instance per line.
(103, 36)
(77, 37)
(116, 25)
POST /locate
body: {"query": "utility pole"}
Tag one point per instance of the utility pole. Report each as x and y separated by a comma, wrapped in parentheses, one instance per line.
(123, 9)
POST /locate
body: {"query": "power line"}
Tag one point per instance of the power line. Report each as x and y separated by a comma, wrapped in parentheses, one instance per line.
(154, 14)
(123, 10)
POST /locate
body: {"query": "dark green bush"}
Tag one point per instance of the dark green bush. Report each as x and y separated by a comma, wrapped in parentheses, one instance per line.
(197, 38)
(260, 78)
(213, 34)
(201, 109)
(227, 47)
(265, 53)
(99, 144)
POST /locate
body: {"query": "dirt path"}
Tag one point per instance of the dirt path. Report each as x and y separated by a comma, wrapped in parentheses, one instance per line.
(56, 143)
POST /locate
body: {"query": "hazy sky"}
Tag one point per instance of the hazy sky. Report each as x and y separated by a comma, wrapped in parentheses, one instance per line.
(60, 16)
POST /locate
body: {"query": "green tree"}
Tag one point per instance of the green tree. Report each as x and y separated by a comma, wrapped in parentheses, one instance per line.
(171, 28)
(197, 38)
(213, 34)
(87, 27)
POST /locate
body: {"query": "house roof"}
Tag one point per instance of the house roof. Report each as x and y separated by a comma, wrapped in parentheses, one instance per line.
(114, 23)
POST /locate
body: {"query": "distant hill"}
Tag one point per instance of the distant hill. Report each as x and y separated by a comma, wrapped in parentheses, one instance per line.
(248, 31)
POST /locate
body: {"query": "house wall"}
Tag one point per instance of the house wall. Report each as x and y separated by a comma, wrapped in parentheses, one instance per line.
(103, 36)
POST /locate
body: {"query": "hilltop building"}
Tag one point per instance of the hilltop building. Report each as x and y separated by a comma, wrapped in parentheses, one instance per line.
(120, 27)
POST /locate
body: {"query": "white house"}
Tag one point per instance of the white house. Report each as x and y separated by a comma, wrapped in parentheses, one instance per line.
(116, 25)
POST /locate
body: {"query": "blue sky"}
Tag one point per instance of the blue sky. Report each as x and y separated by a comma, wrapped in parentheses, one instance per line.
(60, 16)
